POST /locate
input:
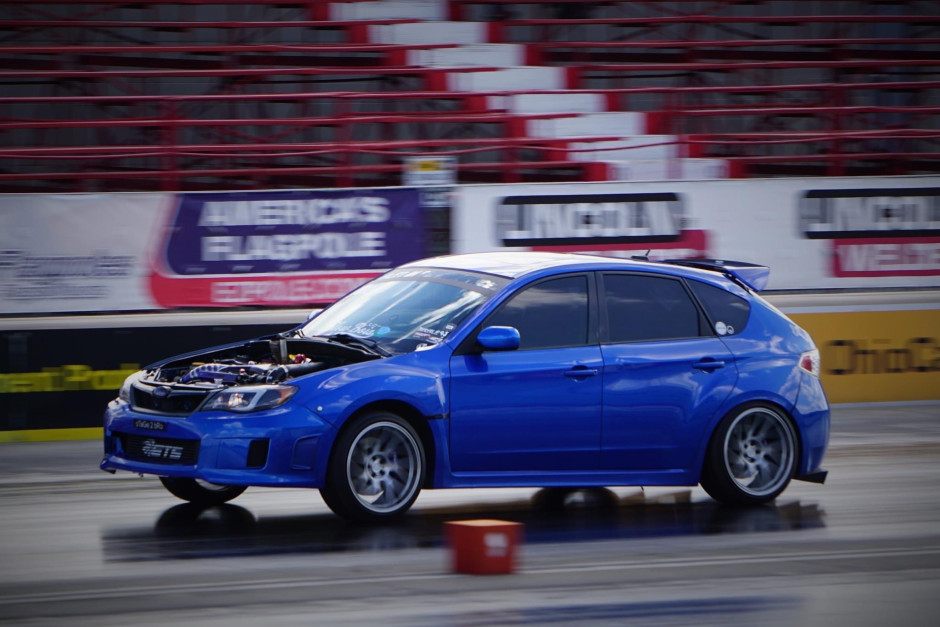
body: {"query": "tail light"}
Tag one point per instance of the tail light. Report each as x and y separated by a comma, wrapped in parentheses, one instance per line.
(809, 361)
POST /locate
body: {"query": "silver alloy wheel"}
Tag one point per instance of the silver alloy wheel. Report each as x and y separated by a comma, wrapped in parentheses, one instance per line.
(383, 467)
(201, 492)
(211, 487)
(759, 451)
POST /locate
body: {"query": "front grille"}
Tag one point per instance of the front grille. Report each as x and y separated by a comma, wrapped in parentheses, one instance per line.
(167, 400)
(159, 450)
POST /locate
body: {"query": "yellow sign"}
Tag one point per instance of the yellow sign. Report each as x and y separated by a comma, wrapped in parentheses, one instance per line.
(873, 356)
(66, 379)
(429, 171)
(52, 435)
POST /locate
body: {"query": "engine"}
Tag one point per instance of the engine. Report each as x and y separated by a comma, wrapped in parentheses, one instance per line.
(256, 362)
(250, 373)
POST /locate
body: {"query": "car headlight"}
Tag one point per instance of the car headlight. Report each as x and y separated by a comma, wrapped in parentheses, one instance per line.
(250, 398)
(125, 392)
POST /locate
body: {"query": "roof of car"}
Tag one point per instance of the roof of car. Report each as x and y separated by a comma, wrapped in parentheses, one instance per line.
(512, 264)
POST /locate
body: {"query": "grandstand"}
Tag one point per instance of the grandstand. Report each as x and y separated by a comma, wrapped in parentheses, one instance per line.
(107, 95)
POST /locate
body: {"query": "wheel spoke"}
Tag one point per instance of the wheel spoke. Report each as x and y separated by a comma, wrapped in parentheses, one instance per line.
(738, 462)
(773, 457)
(392, 492)
(749, 478)
(365, 486)
(760, 429)
(397, 478)
(382, 445)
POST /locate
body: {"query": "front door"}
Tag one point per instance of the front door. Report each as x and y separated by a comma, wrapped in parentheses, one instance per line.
(537, 408)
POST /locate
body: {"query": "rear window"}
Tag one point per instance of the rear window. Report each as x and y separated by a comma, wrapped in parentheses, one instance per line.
(648, 308)
(728, 313)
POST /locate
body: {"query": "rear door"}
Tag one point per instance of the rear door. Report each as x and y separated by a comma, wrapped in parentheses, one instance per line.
(665, 372)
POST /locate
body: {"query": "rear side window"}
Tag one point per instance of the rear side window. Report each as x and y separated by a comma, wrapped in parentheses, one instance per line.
(549, 314)
(648, 308)
(727, 311)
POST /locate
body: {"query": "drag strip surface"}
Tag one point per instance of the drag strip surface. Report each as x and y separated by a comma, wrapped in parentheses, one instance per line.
(83, 547)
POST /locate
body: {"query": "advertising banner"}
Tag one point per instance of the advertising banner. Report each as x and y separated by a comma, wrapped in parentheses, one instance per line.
(283, 248)
(77, 252)
(876, 232)
(605, 223)
(121, 252)
(825, 233)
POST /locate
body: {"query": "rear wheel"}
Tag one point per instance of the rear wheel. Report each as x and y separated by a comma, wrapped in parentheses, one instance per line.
(199, 492)
(376, 469)
(751, 457)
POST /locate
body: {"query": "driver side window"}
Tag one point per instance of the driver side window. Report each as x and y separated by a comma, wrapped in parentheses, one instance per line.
(550, 314)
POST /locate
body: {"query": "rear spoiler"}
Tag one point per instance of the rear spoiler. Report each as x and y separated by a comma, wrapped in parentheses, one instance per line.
(750, 275)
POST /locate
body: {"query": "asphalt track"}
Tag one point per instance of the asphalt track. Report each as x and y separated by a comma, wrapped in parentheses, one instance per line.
(81, 547)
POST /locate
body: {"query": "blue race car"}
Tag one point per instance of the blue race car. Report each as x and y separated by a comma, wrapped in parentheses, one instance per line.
(493, 370)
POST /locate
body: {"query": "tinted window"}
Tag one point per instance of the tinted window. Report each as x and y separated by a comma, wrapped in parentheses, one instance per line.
(648, 308)
(727, 311)
(549, 314)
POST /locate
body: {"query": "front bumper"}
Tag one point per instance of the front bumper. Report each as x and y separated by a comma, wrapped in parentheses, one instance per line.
(286, 446)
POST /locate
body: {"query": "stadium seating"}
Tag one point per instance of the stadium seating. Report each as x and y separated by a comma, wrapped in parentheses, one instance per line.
(232, 94)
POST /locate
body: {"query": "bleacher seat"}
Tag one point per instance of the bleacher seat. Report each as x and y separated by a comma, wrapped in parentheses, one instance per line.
(421, 33)
(424, 10)
(535, 103)
(468, 55)
(504, 79)
(183, 94)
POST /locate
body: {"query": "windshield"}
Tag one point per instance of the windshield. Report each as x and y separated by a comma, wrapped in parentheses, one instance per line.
(406, 309)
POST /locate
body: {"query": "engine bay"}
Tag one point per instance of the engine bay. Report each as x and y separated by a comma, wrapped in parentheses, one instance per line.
(262, 361)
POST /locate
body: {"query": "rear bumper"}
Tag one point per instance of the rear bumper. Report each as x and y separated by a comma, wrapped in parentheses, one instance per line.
(812, 416)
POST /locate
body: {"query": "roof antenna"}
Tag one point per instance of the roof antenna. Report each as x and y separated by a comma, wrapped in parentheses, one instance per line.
(645, 257)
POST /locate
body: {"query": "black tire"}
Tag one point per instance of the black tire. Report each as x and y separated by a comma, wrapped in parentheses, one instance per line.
(751, 457)
(376, 468)
(200, 492)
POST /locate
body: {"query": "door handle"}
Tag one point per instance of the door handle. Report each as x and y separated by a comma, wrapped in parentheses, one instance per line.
(580, 372)
(708, 364)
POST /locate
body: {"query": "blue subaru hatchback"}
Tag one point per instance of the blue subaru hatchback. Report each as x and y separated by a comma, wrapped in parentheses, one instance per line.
(493, 369)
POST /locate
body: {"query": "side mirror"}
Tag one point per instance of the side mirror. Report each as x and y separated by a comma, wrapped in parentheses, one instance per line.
(313, 314)
(499, 338)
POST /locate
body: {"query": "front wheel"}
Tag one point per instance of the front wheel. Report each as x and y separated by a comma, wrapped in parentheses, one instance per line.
(376, 469)
(199, 492)
(751, 457)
